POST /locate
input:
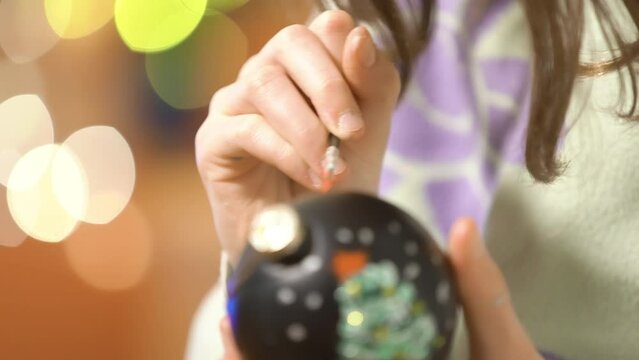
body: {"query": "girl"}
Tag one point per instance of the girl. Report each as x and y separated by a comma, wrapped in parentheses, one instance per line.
(561, 231)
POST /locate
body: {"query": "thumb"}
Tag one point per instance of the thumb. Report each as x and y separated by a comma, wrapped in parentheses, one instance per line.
(230, 348)
(494, 330)
(372, 76)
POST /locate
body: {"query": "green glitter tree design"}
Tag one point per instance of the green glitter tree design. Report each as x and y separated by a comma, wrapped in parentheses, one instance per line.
(381, 318)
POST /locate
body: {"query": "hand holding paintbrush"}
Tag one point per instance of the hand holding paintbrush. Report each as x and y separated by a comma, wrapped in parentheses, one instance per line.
(263, 142)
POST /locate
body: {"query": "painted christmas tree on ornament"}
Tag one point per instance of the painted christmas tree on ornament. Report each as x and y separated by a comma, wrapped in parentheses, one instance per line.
(382, 318)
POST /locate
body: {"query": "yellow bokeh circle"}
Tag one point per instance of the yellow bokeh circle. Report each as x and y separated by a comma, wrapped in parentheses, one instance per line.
(72, 19)
(33, 200)
(157, 25)
(25, 34)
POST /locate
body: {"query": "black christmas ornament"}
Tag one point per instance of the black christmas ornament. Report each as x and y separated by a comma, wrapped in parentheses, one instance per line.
(345, 276)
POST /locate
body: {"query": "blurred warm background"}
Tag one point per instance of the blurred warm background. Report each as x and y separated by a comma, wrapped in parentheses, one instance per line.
(106, 240)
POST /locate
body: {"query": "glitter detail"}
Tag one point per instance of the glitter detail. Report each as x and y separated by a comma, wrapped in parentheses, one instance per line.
(353, 289)
(439, 342)
(381, 316)
(418, 308)
(355, 318)
(381, 333)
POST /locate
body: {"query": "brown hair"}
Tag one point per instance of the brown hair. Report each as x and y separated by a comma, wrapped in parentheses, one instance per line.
(556, 28)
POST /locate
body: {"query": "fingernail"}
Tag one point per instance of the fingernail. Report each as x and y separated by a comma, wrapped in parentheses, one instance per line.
(349, 122)
(316, 181)
(340, 166)
(465, 229)
(458, 230)
(369, 53)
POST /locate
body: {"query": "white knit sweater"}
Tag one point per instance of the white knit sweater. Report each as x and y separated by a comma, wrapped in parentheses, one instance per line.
(570, 250)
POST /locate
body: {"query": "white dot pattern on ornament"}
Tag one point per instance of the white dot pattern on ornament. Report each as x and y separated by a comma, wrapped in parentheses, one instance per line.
(344, 235)
(411, 248)
(443, 292)
(296, 332)
(286, 296)
(394, 227)
(412, 270)
(366, 236)
(312, 263)
(314, 301)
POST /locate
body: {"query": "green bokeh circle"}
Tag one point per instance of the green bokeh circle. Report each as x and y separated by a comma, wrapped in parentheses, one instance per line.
(186, 76)
(157, 25)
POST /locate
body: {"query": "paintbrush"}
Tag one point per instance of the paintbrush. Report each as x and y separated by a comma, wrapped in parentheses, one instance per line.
(329, 163)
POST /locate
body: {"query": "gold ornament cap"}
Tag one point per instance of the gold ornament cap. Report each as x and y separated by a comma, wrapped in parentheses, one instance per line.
(276, 231)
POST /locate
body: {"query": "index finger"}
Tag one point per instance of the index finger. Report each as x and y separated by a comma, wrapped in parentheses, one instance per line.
(309, 64)
(494, 329)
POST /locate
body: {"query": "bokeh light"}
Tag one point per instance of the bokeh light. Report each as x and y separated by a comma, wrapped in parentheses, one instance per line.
(186, 76)
(74, 19)
(25, 34)
(20, 79)
(157, 25)
(109, 169)
(225, 5)
(25, 123)
(64, 292)
(32, 199)
(10, 233)
(114, 256)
